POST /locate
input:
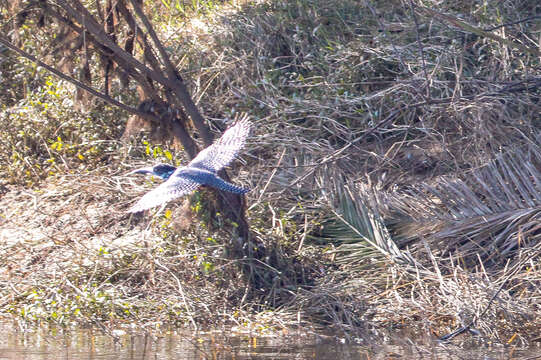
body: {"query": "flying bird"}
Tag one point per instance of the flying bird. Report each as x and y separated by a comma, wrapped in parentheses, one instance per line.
(202, 170)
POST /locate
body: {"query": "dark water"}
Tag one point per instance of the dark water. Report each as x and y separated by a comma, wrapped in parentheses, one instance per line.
(93, 344)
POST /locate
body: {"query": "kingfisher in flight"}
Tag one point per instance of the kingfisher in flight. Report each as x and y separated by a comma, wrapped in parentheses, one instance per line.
(202, 170)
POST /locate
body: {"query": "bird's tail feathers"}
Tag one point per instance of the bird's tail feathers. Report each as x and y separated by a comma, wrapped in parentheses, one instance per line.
(226, 186)
(234, 188)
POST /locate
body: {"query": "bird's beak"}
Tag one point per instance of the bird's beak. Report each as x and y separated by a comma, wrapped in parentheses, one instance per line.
(145, 170)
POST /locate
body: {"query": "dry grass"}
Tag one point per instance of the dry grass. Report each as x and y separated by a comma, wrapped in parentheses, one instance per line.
(360, 133)
(73, 254)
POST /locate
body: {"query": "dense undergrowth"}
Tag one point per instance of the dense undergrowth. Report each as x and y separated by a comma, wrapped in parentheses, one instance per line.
(394, 169)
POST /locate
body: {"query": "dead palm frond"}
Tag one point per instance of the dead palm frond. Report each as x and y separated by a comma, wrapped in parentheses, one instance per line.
(490, 211)
(487, 213)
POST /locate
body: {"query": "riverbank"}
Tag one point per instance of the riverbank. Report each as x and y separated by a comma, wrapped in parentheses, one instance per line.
(393, 166)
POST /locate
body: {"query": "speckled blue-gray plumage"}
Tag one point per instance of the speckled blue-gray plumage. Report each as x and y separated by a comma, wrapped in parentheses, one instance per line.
(202, 170)
(163, 171)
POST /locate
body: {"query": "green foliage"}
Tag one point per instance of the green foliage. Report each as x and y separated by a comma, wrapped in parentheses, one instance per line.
(57, 304)
(43, 135)
(188, 8)
(13, 77)
(158, 153)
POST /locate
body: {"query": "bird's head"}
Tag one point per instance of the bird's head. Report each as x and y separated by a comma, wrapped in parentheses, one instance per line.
(164, 171)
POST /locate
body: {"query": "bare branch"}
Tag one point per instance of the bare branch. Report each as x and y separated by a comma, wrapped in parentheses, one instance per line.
(177, 84)
(70, 79)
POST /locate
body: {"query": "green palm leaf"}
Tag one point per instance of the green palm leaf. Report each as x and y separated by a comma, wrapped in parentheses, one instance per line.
(356, 227)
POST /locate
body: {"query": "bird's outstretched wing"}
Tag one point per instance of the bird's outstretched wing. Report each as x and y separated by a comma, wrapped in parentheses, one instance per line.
(176, 186)
(224, 150)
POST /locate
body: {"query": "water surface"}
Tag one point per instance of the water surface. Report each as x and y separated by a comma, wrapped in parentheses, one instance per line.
(93, 344)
